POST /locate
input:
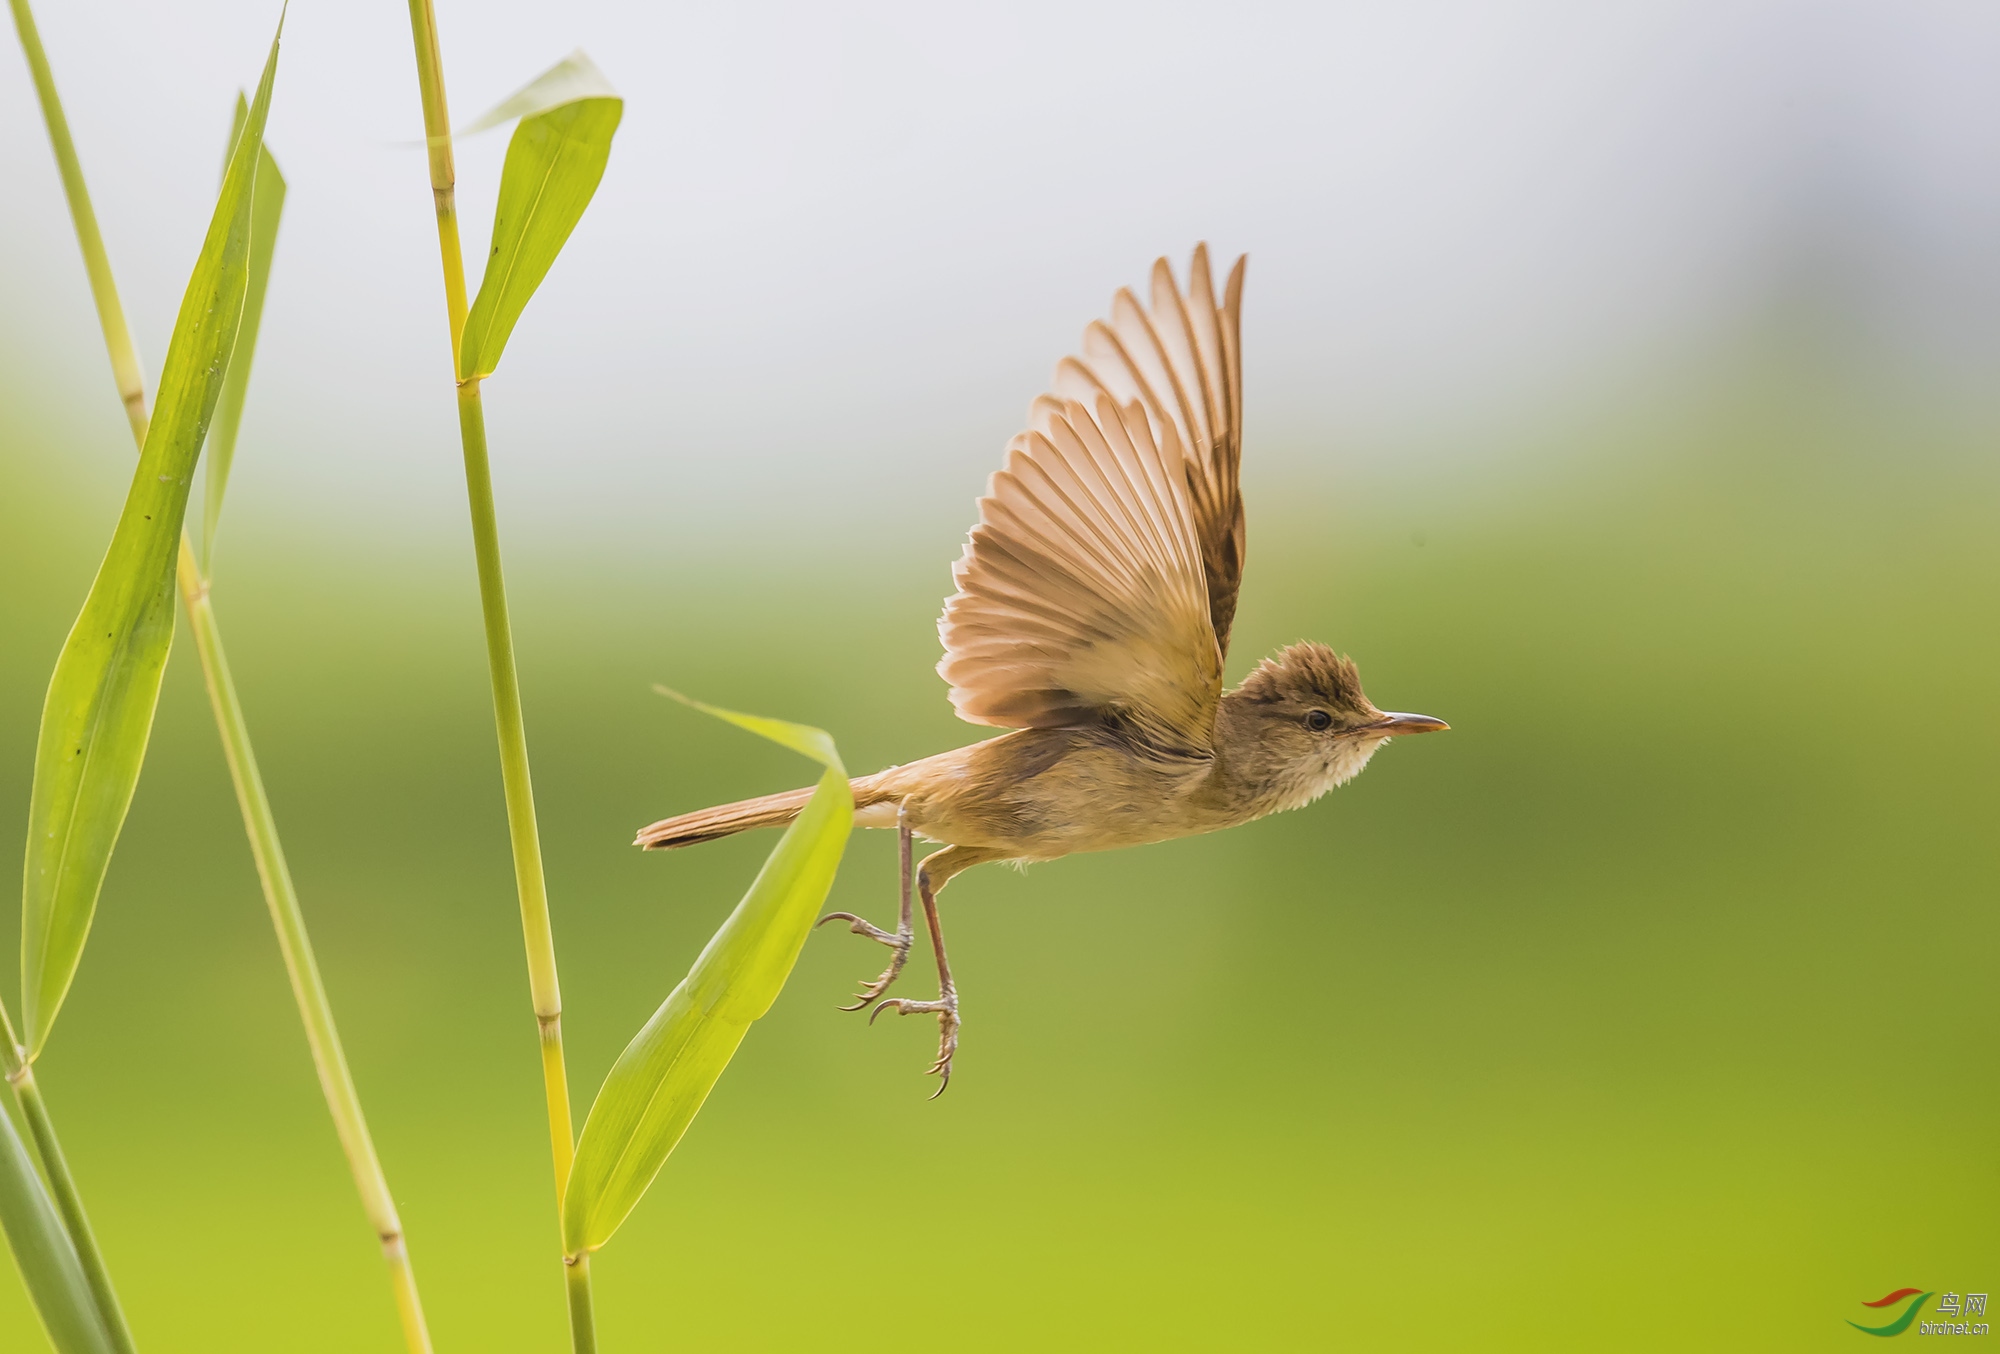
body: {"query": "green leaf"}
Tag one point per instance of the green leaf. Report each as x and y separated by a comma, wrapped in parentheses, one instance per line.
(267, 204)
(553, 167)
(574, 77)
(661, 1079)
(800, 738)
(49, 1268)
(98, 714)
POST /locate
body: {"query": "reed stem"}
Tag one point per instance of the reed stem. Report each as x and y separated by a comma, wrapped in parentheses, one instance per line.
(259, 823)
(537, 936)
(543, 986)
(62, 1185)
(110, 314)
(336, 1083)
(582, 1317)
(20, 1076)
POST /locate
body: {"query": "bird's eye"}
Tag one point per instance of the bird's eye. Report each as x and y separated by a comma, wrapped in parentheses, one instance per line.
(1319, 721)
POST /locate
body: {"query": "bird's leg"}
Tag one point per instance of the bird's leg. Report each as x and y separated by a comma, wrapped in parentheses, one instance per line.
(905, 933)
(945, 1008)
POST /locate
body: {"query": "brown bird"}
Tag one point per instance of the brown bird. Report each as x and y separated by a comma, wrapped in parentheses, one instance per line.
(1092, 618)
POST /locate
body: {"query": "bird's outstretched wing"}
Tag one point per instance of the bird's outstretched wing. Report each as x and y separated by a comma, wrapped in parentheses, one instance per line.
(1085, 594)
(1182, 360)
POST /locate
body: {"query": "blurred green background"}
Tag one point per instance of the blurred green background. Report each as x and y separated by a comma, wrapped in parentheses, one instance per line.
(1620, 390)
(1650, 1008)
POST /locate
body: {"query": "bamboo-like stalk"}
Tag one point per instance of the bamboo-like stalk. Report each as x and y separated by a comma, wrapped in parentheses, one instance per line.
(543, 986)
(582, 1317)
(544, 989)
(20, 1076)
(343, 1102)
(259, 823)
(110, 314)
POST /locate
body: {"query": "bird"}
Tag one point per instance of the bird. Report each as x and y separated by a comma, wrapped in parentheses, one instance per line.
(1091, 619)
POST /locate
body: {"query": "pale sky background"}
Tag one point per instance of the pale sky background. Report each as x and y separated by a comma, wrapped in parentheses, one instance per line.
(840, 246)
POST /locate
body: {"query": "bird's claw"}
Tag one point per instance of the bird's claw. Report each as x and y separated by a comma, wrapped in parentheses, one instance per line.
(863, 927)
(945, 1008)
(897, 941)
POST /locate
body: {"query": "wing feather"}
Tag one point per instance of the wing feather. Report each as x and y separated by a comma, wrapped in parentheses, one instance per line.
(1100, 582)
(1181, 361)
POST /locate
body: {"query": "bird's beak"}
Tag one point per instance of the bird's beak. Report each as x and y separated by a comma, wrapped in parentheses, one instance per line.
(1394, 724)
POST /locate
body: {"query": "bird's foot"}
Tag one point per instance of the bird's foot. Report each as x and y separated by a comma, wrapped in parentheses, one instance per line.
(898, 941)
(945, 1008)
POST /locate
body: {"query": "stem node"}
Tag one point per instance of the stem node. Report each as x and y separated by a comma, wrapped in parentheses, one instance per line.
(516, 783)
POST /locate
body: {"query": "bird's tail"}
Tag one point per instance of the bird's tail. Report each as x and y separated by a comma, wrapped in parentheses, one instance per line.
(705, 825)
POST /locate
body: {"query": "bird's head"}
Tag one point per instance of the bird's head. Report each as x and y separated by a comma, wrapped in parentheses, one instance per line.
(1300, 724)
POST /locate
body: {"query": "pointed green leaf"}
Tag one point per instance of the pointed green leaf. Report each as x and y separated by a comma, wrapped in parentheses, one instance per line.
(667, 1071)
(800, 738)
(49, 1268)
(267, 203)
(553, 167)
(574, 77)
(98, 714)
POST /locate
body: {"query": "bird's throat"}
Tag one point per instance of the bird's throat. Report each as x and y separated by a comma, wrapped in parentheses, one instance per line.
(1256, 780)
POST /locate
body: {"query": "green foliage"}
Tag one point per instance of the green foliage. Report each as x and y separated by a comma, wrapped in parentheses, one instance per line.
(267, 204)
(98, 714)
(553, 167)
(660, 1081)
(574, 77)
(48, 1263)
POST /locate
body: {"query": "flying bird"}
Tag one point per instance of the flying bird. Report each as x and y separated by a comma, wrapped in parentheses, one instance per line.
(1091, 618)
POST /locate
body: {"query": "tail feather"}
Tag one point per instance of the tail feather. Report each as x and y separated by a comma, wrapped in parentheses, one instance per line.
(705, 825)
